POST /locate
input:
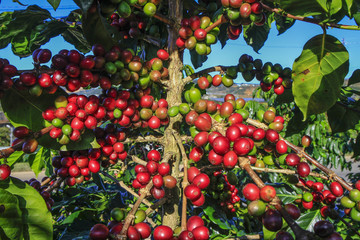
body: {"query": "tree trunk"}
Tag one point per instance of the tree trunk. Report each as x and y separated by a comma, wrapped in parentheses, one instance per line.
(171, 216)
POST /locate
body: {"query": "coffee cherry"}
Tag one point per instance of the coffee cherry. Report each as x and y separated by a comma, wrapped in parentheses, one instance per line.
(5, 171)
(251, 192)
(162, 233)
(323, 228)
(194, 222)
(272, 220)
(336, 189)
(99, 232)
(192, 192)
(303, 169)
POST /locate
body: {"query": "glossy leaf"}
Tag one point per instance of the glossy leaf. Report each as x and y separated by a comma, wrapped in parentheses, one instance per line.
(307, 220)
(29, 112)
(331, 7)
(54, 3)
(318, 78)
(18, 30)
(37, 160)
(75, 37)
(283, 23)
(302, 8)
(357, 18)
(11, 225)
(36, 218)
(268, 235)
(14, 157)
(196, 59)
(216, 217)
(342, 118)
(255, 36)
(93, 24)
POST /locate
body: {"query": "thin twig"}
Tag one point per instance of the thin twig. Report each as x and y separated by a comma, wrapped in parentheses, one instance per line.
(300, 151)
(46, 181)
(138, 160)
(218, 22)
(124, 186)
(17, 147)
(161, 18)
(55, 185)
(204, 71)
(131, 215)
(287, 171)
(309, 20)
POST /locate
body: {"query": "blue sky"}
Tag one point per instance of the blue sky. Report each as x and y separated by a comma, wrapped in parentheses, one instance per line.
(281, 49)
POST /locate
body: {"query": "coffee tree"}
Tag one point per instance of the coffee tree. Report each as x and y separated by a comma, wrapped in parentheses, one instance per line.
(134, 150)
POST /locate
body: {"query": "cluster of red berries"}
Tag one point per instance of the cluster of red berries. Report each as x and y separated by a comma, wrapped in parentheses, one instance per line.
(23, 133)
(319, 194)
(198, 182)
(76, 166)
(194, 36)
(238, 140)
(7, 71)
(110, 140)
(42, 190)
(132, 27)
(128, 110)
(159, 174)
(195, 229)
(72, 115)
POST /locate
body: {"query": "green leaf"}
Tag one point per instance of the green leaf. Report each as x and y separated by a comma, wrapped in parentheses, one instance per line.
(268, 235)
(37, 161)
(36, 218)
(283, 23)
(302, 8)
(196, 59)
(355, 77)
(75, 37)
(29, 112)
(11, 226)
(307, 220)
(97, 30)
(73, 216)
(188, 70)
(350, 7)
(255, 36)
(342, 118)
(318, 78)
(43, 33)
(332, 6)
(54, 3)
(20, 45)
(14, 157)
(216, 216)
(223, 37)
